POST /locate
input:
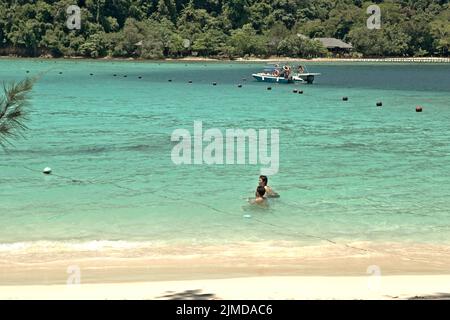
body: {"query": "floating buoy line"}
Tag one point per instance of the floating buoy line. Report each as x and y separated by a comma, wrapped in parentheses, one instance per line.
(418, 109)
(49, 172)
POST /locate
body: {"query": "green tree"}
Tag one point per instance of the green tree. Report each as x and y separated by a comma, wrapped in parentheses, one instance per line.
(368, 42)
(275, 35)
(419, 31)
(397, 41)
(312, 29)
(95, 46)
(211, 42)
(341, 19)
(125, 43)
(166, 9)
(193, 22)
(52, 42)
(260, 15)
(297, 46)
(237, 12)
(245, 41)
(440, 29)
(31, 28)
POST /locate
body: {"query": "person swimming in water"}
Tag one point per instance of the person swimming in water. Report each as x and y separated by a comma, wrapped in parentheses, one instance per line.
(259, 197)
(269, 192)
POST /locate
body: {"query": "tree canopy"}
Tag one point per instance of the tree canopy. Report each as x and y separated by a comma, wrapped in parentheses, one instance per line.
(222, 28)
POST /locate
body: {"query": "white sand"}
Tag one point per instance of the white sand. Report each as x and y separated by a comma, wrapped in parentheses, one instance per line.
(370, 287)
(262, 270)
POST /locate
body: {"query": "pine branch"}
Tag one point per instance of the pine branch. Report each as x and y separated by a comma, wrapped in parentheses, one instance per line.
(14, 110)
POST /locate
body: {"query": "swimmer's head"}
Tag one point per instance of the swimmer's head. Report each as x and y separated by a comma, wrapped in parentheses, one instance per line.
(263, 181)
(260, 191)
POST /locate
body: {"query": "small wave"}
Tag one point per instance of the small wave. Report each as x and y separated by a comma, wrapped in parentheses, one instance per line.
(94, 245)
(348, 145)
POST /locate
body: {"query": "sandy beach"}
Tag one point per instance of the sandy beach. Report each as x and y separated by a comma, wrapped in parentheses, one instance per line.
(260, 288)
(262, 271)
(328, 59)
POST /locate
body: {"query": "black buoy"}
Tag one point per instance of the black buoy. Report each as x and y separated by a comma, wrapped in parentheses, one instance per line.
(114, 75)
(239, 85)
(379, 104)
(214, 83)
(139, 77)
(295, 91)
(345, 98)
(60, 72)
(419, 109)
(300, 91)
(125, 76)
(28, 71)
(170, 80)
(91, 74)
(269, 88)
(190, 81)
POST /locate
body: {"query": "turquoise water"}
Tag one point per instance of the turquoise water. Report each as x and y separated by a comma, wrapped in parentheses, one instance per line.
(349, 171)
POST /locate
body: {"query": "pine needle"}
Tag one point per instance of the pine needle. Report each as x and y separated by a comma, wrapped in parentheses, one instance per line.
(14, 105)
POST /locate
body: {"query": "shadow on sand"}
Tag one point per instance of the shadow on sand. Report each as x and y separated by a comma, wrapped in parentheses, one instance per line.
(189, 295)
(436, 296)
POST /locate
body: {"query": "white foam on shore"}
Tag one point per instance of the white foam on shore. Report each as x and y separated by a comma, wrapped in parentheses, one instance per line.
(272, 252)
(95, 245)
(41, 251)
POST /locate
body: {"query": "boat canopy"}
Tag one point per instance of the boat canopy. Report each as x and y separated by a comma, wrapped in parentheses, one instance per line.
(298, 68)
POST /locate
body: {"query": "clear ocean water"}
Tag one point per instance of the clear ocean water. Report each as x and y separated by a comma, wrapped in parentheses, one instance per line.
(349, 171)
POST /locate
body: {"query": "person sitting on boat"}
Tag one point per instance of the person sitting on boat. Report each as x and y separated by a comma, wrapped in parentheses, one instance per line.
(276, 72)
(300, 69)
(269, 193)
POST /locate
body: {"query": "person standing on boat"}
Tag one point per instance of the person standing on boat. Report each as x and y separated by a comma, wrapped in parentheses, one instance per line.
(287, 72)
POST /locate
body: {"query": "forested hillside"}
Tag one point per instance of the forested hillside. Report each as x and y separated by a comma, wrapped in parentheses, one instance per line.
(222, 28)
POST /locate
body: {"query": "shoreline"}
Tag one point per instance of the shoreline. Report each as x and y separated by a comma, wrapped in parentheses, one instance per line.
(244, 60)
(251, 288)
(110, 263)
